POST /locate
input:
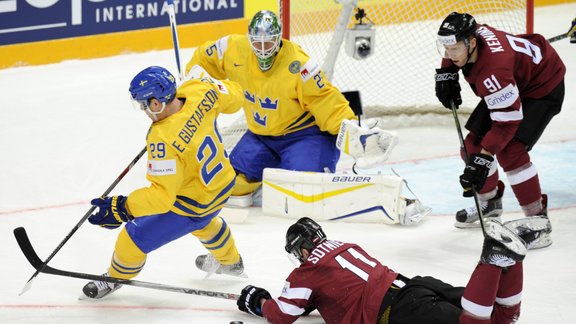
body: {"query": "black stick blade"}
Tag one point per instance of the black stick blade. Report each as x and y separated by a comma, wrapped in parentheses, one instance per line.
(26, 247)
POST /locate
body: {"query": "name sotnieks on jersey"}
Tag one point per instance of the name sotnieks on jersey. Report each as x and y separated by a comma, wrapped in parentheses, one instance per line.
(323, 249)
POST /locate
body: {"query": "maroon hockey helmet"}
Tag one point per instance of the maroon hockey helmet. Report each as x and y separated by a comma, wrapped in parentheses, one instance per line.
(305, 233)
(456, 27)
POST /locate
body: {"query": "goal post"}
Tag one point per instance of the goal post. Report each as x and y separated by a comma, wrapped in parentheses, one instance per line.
(397, 78)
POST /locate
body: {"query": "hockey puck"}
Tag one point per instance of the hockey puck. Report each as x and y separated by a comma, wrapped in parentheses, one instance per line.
(236, 322)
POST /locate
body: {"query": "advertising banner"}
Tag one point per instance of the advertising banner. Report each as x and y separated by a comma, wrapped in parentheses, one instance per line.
(24, 21)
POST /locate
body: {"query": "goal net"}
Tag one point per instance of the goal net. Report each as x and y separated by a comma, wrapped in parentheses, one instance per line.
(396, 82)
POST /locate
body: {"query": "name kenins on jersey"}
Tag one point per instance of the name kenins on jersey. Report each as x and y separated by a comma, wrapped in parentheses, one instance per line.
(152, 9)
(491, 39)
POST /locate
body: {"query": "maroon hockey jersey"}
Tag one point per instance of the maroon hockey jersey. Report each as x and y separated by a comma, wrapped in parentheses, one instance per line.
(340, 279)
(508, 68)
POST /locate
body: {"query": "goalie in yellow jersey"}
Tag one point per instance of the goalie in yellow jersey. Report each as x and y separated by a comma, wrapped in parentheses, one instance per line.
(190, 178)
(293, 112)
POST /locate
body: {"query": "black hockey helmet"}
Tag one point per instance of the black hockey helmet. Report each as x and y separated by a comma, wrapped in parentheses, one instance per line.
(456, 27)
(305, 233)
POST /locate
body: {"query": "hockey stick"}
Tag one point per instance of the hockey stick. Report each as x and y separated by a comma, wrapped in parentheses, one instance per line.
(557, 38)
(173, 27)
(84, 218)
(36, 262)
(463, 147)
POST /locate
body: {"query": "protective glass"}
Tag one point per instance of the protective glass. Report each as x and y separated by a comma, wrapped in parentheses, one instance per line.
(294, 259)
(451, 51)
(144, 105)
(139, 104)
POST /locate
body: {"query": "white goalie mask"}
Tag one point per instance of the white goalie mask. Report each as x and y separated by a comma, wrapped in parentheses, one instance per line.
(265, 36)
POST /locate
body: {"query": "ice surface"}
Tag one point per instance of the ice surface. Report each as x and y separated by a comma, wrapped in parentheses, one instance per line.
(67, 131)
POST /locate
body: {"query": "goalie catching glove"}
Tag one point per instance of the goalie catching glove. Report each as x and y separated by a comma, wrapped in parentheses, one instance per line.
(368, 146)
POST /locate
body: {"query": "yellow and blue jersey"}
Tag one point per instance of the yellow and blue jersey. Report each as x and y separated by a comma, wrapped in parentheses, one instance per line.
(188, 168)
(293, 95)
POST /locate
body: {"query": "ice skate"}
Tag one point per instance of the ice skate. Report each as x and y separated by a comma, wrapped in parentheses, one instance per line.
(253, 199)
(414, 212)
(502, 247)
(210, 265)
(491, 209)
(99, 289)
(534, 230)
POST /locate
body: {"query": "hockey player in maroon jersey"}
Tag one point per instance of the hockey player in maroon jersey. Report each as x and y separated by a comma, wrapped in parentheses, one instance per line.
(347, 285)
(520, 79)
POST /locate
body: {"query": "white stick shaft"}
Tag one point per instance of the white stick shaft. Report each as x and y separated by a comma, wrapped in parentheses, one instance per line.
(174, 28)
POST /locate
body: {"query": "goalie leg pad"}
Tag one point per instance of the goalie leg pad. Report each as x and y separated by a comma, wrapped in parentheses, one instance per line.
(325, 196)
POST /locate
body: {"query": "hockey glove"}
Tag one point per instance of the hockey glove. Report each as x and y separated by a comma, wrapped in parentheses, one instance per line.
(369, 146)
(448, 87)
(112, 212)
(249, 301)
(475, 173)
(572, 32)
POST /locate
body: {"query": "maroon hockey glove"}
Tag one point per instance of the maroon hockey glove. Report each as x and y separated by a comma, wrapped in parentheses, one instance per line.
(249, 301)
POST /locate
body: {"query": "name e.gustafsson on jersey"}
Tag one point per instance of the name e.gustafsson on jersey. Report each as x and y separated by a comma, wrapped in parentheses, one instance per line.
(191, 125)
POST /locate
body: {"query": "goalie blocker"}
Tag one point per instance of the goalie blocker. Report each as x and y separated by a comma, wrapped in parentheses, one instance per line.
(342, 197)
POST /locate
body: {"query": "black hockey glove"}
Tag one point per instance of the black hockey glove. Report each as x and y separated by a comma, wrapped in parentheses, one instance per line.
(572, 32)
(249, 301)
(448, 87)
(475, 173)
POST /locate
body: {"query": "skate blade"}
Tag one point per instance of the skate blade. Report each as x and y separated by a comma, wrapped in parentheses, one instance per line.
(543, 241)
(476, 224)
(242, 275)
(414, 213)
(533, 223)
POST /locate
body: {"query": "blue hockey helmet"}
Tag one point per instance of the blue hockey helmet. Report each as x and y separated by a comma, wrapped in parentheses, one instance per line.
(152, 82)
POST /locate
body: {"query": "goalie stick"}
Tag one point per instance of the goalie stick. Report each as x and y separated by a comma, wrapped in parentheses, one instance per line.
(36, 262)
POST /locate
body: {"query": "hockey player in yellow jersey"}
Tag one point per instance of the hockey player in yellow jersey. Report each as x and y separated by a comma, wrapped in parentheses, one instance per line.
(189, 173)
(293, 112)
